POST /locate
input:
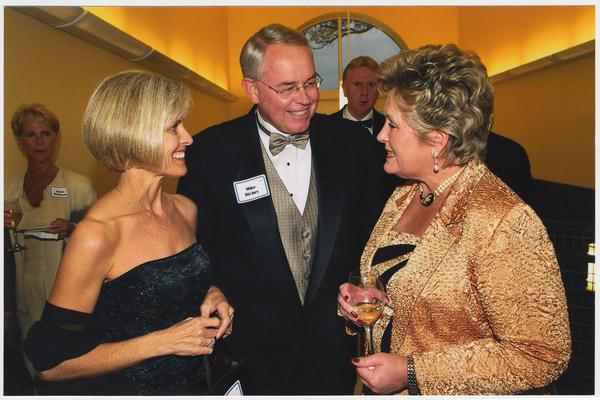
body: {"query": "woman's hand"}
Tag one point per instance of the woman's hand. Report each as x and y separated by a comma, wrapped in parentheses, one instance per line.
(7, 218)
(215, 301)
(345, 308)
(383, 373)
(190, 337)
(62, 227)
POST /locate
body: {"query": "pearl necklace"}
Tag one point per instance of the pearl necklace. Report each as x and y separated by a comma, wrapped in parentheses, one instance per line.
(428, 200)
(144, 211)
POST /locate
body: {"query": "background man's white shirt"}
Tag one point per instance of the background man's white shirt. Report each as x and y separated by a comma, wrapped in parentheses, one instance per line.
(349, 116)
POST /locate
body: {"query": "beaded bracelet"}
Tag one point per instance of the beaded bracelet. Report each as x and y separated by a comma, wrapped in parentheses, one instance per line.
(413, 387)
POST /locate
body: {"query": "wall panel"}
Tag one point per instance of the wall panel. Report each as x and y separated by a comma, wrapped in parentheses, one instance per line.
(551, 113)
(43, 64)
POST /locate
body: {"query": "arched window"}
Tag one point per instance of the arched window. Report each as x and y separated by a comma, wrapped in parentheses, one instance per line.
(337, 39)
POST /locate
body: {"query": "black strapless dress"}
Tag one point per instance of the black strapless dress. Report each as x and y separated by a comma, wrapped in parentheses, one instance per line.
(150, 297)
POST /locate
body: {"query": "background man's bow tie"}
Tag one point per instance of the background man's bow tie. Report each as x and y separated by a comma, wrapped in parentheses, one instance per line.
(368, 123)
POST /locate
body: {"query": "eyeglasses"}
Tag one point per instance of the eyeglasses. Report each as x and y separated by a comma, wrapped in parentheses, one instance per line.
(291, 90)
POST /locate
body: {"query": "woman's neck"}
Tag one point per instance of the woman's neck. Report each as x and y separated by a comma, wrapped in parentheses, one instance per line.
(142, 187)
(434, 180)
(36, 170)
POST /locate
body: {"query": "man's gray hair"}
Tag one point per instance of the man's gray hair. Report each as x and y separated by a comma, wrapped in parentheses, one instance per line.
(255, 47)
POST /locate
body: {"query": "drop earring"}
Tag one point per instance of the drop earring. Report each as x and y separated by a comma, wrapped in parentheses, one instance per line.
(436, 166)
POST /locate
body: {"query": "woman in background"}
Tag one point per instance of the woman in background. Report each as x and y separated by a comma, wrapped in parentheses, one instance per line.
(51, 198)
(130, 309)
(476, 302)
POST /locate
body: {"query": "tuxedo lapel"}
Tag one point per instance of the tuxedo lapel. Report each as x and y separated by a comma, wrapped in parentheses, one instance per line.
(330, 191)
(339, 114)
(262, 219)
(378, 122)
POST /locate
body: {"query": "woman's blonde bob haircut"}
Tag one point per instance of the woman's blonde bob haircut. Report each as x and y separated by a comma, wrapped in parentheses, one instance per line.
(125, 119)
(443, 88)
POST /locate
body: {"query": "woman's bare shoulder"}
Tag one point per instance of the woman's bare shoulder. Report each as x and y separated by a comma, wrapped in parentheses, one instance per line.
(97, 234)
(184, 206)
(86, 263)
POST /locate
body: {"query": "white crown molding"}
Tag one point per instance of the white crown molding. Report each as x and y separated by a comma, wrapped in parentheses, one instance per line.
(87, 26)
(562, 57)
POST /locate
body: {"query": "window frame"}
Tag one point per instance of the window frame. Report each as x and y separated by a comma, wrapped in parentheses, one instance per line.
(333, 94)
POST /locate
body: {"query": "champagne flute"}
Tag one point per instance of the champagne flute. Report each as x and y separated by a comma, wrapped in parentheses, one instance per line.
(15, 213)
(367, 296)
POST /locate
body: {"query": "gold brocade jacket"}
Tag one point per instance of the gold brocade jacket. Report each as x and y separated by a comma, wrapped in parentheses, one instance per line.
(480, 305)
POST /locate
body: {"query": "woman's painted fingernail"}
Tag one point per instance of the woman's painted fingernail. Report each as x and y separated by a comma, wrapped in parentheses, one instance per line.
(354, 314)
(355, 359)
(346, 298)
(360, 321)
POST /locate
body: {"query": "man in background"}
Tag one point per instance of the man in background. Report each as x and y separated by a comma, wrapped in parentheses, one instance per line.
(360, 88)
(509, 161)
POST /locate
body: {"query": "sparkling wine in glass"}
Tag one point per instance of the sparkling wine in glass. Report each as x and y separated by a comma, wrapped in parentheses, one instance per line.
(367, 296)
(13, 208)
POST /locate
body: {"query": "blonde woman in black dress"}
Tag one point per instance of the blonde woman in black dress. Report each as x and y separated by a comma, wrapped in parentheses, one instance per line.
(133, 304)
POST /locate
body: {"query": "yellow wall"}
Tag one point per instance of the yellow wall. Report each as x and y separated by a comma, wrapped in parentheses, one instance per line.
(43, 64)
(506, 37)
(208, 40)
(551, 113)
(412, 24)
(193, 36)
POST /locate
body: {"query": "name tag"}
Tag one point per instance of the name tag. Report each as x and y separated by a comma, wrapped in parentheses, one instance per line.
(59, 192)
(235, 390)
(251, 189)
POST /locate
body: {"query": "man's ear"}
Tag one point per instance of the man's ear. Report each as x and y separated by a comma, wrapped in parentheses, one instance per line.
(250, 88)
(344, 84)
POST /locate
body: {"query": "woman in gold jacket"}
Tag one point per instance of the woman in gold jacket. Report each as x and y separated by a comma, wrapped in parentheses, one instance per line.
(476, 302)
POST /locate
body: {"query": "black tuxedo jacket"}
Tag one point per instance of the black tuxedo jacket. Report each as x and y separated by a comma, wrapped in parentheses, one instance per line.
(388, 182)
(292, 348)
(508, 160)
(378, 121)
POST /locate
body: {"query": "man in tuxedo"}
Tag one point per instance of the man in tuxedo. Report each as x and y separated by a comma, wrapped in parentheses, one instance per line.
(359, 83)
(509, 161)
(285, 205)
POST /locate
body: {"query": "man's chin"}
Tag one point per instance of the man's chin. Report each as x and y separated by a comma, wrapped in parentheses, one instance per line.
(293, 129)
(297, 131)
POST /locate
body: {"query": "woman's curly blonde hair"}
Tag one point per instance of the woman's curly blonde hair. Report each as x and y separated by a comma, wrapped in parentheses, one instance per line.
(444, 88)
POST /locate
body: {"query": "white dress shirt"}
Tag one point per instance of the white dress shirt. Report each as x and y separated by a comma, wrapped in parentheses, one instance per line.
(293, 165)
(349, 116)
